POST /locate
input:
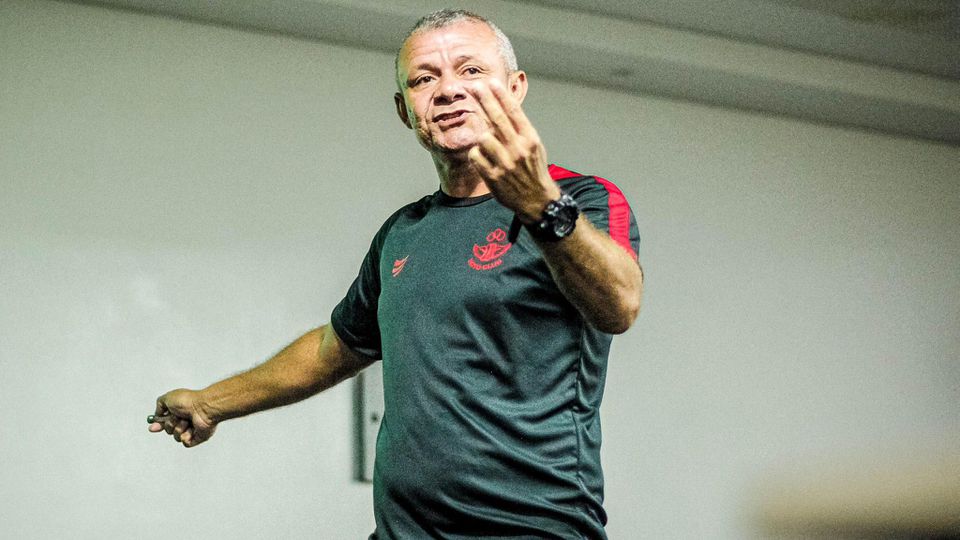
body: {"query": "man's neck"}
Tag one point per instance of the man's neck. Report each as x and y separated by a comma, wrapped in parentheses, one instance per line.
(457, 177)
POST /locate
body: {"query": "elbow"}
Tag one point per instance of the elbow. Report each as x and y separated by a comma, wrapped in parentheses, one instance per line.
(628, 314)
(627, 305)
(615, 311)
(621, 317)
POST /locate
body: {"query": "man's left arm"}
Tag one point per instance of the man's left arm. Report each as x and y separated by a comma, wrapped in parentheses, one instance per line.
(596, 275)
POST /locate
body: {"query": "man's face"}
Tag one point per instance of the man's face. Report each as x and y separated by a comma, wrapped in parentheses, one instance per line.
(435, 69)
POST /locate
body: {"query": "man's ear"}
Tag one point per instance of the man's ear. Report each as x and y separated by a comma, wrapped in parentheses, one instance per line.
(517, 82)
(402, 110)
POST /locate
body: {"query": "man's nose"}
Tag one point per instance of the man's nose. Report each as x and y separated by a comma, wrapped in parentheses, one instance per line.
(450, 89)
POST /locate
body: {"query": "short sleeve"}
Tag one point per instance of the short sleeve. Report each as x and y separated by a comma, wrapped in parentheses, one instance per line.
(355, 317)
(602, 202)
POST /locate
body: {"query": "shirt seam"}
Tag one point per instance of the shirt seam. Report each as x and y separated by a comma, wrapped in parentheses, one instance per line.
(573, 412)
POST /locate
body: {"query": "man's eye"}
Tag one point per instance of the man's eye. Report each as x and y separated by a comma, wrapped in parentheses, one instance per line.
(472, 70)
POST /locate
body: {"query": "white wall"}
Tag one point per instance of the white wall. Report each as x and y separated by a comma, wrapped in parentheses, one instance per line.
(178, 201)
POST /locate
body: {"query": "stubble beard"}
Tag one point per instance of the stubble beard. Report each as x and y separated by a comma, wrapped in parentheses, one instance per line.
(452, 149)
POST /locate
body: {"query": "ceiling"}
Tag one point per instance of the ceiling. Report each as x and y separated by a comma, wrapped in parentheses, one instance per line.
(916, 35)
(883, 65)
(934, 17)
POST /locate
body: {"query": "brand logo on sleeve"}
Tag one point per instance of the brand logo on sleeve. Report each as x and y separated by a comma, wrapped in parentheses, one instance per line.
(398, 266)
(490, 255)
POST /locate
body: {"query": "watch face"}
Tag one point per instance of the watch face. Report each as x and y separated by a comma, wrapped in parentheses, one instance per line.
(559, 219)
(565, 222)
(566, 216)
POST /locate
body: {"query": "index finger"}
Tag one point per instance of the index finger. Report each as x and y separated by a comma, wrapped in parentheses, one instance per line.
(156, 422)
(512, 108)
(499, 119)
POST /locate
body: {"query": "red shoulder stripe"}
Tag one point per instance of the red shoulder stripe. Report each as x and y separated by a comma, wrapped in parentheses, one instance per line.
(619, 217)
(619, 220)
(559, 173)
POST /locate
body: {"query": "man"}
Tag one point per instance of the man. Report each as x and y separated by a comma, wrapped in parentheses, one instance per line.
(494, 340)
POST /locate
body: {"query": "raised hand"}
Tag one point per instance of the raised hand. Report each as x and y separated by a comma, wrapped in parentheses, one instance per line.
(510, 157)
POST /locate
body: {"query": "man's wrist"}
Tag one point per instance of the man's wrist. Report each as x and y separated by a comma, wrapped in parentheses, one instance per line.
(558, 221)
(205, 407)
(534, 212)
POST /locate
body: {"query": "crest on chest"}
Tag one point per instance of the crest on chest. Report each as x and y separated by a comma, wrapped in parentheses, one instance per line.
(490, 255)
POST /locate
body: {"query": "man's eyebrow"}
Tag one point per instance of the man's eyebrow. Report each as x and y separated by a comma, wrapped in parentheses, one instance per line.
(424, 66)
(429, 66)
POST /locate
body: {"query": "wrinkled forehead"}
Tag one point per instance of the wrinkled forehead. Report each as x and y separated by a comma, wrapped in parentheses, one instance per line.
(470, 38)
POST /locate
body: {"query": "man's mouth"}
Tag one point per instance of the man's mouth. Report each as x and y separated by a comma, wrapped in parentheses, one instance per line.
(450, 118)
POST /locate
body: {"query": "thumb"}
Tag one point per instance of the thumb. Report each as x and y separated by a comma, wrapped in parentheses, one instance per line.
(161, 409)
(159, 415)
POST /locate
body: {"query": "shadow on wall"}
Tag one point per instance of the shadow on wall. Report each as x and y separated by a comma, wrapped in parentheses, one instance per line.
(913, 497)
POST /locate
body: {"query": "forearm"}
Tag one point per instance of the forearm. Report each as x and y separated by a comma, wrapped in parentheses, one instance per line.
(597, 276)
(307, 366)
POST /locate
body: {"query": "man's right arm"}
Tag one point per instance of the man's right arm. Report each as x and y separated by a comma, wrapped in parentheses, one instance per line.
(314, 362)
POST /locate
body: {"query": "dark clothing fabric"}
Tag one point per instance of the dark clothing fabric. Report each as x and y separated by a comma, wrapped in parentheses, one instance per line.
(492, 380)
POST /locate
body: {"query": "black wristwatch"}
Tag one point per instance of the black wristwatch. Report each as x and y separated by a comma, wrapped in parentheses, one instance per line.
(558, 221)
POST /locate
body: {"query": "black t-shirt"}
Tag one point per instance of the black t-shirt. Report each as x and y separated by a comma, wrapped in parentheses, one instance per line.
(492, 380)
